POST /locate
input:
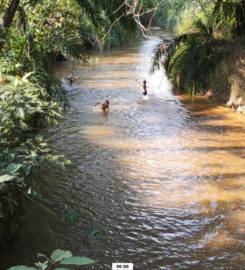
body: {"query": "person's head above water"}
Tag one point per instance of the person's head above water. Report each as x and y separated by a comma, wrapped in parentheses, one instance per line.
(107, 101)
(144, 81)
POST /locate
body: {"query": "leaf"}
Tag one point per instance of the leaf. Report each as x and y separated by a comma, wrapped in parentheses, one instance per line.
(42, 255)
(4, 118)
(59, 255)
(6, 177)
(28, 170)
(62, 269)
(43, 144)
(71, 219)
(18, 77)
(93, 233)
(20, 179)
(32, 192)
(38, 139)
(42, 266)
(16, 82)
(20, 112)
(24, 78)
(13, 167)
(98, 235)
(77, 261)
(68, 162)
(22, 267)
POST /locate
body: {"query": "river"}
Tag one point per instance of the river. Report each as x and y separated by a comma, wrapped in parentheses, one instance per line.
(164, 177)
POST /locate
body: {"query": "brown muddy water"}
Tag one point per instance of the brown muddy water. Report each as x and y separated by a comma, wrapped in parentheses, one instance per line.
(164, 177)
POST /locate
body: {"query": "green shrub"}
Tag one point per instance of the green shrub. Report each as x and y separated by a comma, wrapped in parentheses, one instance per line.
(58, 258)
(24, 106)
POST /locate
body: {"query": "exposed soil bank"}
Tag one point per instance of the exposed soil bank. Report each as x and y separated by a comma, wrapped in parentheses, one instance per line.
(227, 83)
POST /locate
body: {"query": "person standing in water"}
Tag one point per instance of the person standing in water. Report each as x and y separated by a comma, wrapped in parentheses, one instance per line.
(143, 87)
(104, 105)
(71, 79)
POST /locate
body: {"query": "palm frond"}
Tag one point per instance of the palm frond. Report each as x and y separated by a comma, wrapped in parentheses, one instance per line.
(189, 57)
(156, 58)
(128, 25)
(91, 11)
(193, 64)
(168, 46)
(223, 12)
(71, 48)
(111, 7)
(204, 26)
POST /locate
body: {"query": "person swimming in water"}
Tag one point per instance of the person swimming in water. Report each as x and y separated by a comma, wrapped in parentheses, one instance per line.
(143, 87)
(104, 105)
(71, 79)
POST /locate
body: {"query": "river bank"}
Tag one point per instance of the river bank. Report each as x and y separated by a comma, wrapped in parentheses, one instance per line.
(228, 80)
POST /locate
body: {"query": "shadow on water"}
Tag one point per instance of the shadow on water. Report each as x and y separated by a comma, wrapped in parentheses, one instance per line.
(164, 177)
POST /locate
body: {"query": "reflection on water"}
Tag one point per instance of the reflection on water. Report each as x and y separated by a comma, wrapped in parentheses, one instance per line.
(164, 177)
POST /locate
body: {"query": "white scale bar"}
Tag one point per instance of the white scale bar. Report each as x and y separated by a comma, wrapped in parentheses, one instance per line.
(122, 266)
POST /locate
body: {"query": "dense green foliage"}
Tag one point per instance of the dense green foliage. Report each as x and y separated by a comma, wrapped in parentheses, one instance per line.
(23, 107)
(32, 35)
(29, 100)
(38, 34)
(168, 15)
(57, 260)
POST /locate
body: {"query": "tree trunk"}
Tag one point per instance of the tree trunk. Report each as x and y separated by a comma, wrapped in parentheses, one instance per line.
(6, 19)
(240, 17)
(193, 89)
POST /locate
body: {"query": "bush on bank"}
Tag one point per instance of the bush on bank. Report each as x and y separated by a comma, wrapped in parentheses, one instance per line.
(24, 106)
(32, 35)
